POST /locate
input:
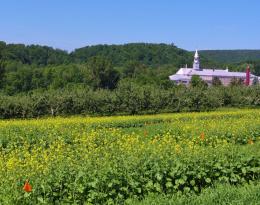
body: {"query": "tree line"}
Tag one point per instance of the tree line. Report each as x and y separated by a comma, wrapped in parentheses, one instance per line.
(232, 56)
(127, 98)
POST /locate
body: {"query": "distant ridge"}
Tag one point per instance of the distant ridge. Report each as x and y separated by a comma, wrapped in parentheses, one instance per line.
(231, 56)
(150, 54)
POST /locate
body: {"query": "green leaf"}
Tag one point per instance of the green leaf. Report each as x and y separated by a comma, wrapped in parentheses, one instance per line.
(157, 187)
(186, 189)
(244, 170)
(208, 180)
(40, 199)
(139, 190)
(169, 185)
(158, 176)
(181, 181)
(196, 189)
(192, 182)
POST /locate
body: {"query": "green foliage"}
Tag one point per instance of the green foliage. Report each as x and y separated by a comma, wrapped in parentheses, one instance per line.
(236, 82)
(217, 195)
(127, 98)
(103, 74)
(133, 68)
(33, 54)
(148, 54)
(231, 56)
(256, 67)
(196, 81)
(2, 73)
(255, 81)
(216, 81)
(26, 68)
(33, 67)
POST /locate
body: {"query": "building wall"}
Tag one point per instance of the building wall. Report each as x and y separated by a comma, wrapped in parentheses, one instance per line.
(226, 80)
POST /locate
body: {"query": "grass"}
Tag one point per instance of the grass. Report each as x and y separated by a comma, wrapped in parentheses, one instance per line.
(220, 194)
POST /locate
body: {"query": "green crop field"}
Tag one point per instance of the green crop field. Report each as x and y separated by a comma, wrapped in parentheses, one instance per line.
(189, 158)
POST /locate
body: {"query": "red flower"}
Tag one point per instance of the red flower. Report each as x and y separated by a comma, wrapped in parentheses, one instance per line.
(27, 187)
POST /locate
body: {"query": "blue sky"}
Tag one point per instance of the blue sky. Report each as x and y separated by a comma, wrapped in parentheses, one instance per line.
(189, 24)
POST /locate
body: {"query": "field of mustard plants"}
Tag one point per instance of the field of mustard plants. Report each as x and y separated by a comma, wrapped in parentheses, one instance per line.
(124, 159)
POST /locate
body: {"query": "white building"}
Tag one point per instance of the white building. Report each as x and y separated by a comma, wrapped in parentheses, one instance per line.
(183, 76)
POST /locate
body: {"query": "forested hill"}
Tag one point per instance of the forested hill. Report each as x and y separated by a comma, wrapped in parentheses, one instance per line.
(32, 54)
(26, 68)
(149, 54)
(231, 56)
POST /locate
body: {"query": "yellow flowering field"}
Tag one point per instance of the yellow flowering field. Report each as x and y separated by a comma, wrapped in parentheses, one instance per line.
(99, 160)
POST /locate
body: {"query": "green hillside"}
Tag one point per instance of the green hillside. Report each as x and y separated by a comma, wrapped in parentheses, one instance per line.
(149, 54)
(25, 68)
(29, 67)
(231, 56)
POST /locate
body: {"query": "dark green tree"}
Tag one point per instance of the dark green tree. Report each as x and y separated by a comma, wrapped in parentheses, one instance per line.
(2, 73)
(103, 74)
(216, 81)
(130, 69)
(255, 81)
(196, 81)
(236, 82)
